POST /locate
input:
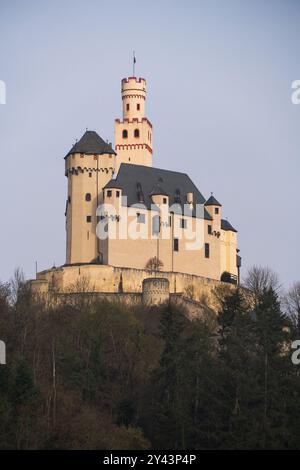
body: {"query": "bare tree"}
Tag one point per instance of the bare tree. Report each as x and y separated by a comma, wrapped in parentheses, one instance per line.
(292, 303)
(17, 285)
(261, 278)
(155, 264)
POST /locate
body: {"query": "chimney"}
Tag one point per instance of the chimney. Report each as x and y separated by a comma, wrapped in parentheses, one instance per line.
(190, 199)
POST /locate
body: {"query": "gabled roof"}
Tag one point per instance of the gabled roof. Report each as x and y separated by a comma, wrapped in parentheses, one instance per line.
(212, 201)
(225, 225)
(91, 144)
(138, 181)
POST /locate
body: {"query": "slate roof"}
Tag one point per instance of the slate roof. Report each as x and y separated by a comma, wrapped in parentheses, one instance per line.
(112, 184)
(225, 225)
(91, 143)
(158, 191)
(212, 201)
(137, 183)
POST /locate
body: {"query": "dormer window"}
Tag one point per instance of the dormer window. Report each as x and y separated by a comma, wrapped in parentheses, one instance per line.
(125, 134)
(136, 133)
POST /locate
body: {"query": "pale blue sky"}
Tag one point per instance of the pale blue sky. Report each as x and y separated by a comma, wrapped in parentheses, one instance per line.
(219, 79)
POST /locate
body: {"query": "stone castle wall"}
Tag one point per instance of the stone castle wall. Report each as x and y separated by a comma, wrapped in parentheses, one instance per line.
(106, 279)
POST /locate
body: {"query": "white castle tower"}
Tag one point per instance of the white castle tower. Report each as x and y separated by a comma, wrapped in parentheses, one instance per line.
(89, 166)
(133, 135)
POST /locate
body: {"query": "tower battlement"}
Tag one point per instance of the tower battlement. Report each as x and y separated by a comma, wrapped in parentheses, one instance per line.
(134, 80)
(133, 134)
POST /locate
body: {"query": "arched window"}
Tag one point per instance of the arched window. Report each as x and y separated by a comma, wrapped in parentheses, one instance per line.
(125, 134)
(136, 133)
(88, 197)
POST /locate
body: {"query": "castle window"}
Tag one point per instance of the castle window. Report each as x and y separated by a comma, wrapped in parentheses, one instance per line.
(125, 134)
(136, 133)
(176, 244)
(138, 107)
(89, 218)
(209, 231)
(88, 197)
(140, 218)
(69, 199)
(127, 107)
(117, 193)
(206, 250)
(183, 223)
(109, 193)
(216, 210)
(90, 175)
(155, 225)
(164, 200)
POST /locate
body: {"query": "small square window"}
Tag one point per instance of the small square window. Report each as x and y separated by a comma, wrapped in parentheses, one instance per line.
(89, 218)
(209, 230)
(206, 250)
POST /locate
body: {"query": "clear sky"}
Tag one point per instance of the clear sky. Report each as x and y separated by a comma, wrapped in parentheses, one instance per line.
(219, 77)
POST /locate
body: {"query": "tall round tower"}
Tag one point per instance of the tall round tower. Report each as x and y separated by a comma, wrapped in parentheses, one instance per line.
(133, 134)
(89, 167)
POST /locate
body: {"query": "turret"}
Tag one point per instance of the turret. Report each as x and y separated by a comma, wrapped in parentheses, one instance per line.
(133, 134)
(89, 166)
(214, 208)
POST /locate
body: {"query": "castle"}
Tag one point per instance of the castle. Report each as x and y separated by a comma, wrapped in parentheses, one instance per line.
(126, 220)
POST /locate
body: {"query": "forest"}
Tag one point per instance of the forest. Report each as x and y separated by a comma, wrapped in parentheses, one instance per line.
(96, 375)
